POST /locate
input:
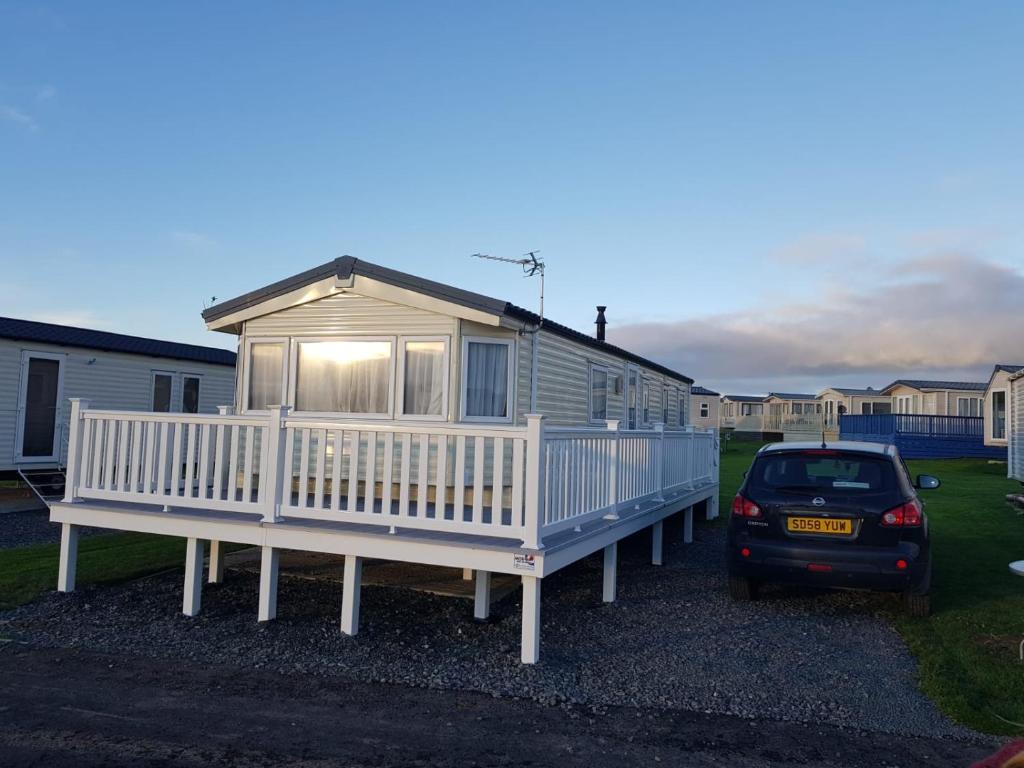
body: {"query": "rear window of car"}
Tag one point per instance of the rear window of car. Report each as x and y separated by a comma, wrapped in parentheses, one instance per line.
(822, 471)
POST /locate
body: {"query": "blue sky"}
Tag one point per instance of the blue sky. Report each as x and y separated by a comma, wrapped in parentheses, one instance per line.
(736, 181)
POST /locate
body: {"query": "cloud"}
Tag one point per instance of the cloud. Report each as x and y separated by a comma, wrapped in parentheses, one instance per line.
(46, 93)
(17, 116)
(820, 248)
(192, 239)
(948, 313)
(80, 318)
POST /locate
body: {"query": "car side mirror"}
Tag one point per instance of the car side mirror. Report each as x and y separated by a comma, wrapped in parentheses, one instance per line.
(927, 482)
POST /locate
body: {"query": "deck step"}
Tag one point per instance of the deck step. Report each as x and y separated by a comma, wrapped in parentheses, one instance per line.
(47, 484)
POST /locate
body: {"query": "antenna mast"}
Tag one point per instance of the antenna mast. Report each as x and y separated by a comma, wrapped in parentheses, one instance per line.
(531, 266)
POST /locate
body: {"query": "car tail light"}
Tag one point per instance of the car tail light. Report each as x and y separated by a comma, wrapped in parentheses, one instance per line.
(901, 565)
(904, 516)
(819, 568)
(744, 507)
(745, 551)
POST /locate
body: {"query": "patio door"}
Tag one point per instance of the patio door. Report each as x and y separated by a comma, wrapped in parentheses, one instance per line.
(39, 398)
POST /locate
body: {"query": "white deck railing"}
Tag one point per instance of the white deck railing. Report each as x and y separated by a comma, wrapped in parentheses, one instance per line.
(511, 482)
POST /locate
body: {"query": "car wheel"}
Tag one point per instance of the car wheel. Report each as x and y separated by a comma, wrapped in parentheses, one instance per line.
(741, 588)
(917, 604)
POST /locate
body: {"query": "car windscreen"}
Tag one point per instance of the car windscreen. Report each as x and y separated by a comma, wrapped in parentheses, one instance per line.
(817, 471)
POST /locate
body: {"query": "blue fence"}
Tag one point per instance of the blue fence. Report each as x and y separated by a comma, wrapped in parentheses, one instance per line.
(923, 437)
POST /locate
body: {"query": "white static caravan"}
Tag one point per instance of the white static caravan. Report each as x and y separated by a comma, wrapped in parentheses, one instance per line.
(795, 416)
(742, 415)
(42, 365)
(704, 407)
(839, 401)
(937, 398)
(996, 401)
(1015, 426)
(383, 415)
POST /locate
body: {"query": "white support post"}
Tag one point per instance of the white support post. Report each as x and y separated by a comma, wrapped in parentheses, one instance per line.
(611, 562)
(530, 642)
(216, 563)
(657, 537)
(193, 577)
(269, 561)
(467, 574)
(350, 595)
(613, 471)
(73, 475)
(659, 466)
(534, 501)
(711, 511)
(688, 525)
(275, 465)
(692, 482)
(482, 596)
(68, 557)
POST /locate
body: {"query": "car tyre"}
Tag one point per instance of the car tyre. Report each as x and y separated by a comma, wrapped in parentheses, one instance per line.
(742, 589)
(917, 604)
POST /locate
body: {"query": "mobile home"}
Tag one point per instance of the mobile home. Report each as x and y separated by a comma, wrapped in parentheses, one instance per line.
(839, 401)
(994, 406)
(704, 407)
(389, 416)
(743, 416)
(936, 398)
(1015, 426)
(42, 365)
(794, 416)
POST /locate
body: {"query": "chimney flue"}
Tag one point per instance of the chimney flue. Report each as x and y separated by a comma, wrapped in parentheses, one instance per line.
(600, 322)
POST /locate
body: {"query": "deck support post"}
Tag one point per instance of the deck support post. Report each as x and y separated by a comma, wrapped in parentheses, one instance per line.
(269, 561)
(657, 535)
(68, 557)
(350, 595)
(533, 501)
(467, 574)
(482, 596)
(611, 559)
(688, 525)
(530, 642)
(711, 510)
(193, 577)
(216, 563)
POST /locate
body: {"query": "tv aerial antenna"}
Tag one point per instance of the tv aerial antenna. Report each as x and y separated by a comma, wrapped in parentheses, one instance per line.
(531, 266)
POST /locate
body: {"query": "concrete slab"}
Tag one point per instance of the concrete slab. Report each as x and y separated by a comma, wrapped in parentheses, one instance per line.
(435, 580)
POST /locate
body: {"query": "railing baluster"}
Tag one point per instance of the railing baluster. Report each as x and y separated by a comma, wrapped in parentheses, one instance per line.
(497, 480)
(460, 479)
(387, 473)
(321, 460)
(479, 457)
(339, 454)
(152, 428)
(233, 464)
(203, 479)
(302, 491)
(191, 432)
(422, 478)
(370, 490)
(403, 482)
(249, 446)
(517, 481)
(218, 463)
(441, 480)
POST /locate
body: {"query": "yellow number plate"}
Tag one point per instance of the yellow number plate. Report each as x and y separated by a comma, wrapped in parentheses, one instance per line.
(824, 525)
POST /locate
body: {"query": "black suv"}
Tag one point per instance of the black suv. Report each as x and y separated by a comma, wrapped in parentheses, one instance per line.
(841, 514)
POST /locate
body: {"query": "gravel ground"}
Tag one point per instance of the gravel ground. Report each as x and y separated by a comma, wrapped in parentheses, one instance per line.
(673, 640)
(23, 529)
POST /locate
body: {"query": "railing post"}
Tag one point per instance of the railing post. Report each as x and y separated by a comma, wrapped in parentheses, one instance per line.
(613, 471)
(535, 482)
(73, 474)
(659, 448)
(274, 463)
(691, 483)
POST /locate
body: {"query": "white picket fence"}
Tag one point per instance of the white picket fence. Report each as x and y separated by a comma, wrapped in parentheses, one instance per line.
(510, 482)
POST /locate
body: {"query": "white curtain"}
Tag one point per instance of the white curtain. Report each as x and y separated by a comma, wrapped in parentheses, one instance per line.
(486, 379)
(424, 378)
(265, 363)
(343, 376)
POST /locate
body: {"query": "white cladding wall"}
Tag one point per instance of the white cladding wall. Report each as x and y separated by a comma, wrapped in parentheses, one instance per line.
(349, 314)
(108, 380)
(704, 422)
(1016, 427)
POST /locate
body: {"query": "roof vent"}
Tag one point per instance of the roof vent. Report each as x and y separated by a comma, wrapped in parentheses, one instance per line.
(600, 322)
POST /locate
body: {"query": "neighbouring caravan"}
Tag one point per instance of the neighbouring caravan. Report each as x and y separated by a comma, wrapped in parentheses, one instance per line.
(42, 365)
(846, 401)
(1015, 426)
(383, 415)
(996, 403)
(742, 416)
(936, 398)
(704, 407)
(793, 416)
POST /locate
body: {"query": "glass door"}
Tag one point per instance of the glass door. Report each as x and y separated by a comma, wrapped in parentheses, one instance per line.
(39, 401)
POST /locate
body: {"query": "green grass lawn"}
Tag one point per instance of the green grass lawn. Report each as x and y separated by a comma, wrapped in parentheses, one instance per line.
(968, 648)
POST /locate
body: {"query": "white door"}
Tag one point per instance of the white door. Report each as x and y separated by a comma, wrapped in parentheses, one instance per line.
(40, 396)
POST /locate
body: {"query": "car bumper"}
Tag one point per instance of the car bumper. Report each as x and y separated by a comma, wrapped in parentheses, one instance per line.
(829, 566)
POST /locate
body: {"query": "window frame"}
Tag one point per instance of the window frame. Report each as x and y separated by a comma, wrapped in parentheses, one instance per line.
(400, 413)
(1005, 393)
(247, 365)
(590, 392)
(645, 401)
(969, 399)
(681, 406)
(705, 409)
(293, 378)
(152, 390)
(510, 404)
(199, 392)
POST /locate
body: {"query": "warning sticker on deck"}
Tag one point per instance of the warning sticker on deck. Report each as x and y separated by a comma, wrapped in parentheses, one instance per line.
(524, 562)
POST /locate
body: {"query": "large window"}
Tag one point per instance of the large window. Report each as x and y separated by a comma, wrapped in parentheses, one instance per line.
(424, 377)
(999, 414)
(487, 379)
(190, 394)
(266, 375)
(968, 406)
(162, 383)
(351, 377)
(598, 393)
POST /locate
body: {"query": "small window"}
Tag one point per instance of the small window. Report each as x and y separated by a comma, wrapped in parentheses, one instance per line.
(681, 407)
(798, 409)
(487, 379)
(266, 375)
(705, 410)
(999, 415)
(664, 405)
(598, 393)
(162, 383)
(424, 377)
(190, 394)
(646, 400)
(343, 377)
